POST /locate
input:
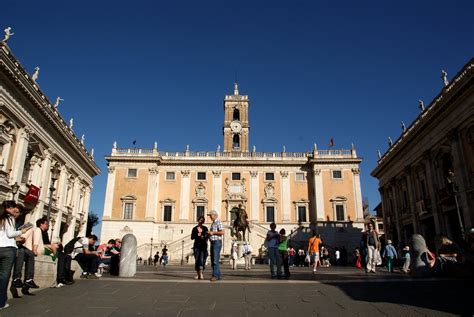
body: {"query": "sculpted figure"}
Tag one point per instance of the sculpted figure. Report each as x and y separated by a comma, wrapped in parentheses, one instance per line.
(379, 154)
(390, 142)
(35, 75)
(403, 126)
(58, 100)
(71, 123)
(444, 77)
(421, 105)
(8, 34)
(83, 139)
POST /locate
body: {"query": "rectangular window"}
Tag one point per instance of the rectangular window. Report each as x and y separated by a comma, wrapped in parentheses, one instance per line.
(337, 174)
(300, 177)
(132, 172)
(199, 212)
(302, 214)
(269, 176)
(167, 215)
(170, 176)
(128, 211)
(236, 176)
(201, 176)
(270, 214)
(340, 213)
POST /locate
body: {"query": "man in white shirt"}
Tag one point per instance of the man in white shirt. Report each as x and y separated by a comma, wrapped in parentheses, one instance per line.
(247, 255)
(87, 259)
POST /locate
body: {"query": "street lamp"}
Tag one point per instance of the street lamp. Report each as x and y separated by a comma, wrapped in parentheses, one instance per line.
(151, 247)
(15, 188)
(182, 252)
(54, 176)
(452, 181)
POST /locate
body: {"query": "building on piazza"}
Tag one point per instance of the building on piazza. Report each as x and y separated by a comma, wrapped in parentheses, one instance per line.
(40, 151)
(158, 195)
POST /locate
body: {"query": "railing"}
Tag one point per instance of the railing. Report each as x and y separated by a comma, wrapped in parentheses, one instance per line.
(186, 155)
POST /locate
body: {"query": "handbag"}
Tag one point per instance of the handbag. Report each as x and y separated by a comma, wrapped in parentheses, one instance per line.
(307, 259)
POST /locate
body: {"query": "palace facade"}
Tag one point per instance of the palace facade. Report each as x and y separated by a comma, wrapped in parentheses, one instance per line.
(158, 195)
(38, 150)
(426, 177)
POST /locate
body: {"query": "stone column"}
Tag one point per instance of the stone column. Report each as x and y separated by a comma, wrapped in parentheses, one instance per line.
(461, 179)
(254, 197)
(359, 209)
(19, 157)
(430, 184)
(285, 196)
(109, 193)
(6, 155)
(36, 170)
(184, 197)
(217, 191)
(152, 194)
(411, 198)
(62, 195)
(393, 198)
(73, 216)
(318, 193)
(44, 185)
(87, 197)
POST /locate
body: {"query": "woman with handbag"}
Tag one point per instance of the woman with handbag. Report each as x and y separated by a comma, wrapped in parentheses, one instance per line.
(199, 235)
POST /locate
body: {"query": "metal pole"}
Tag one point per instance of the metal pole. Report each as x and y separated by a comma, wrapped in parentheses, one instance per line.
(151, 247)
(51, 190)
(459, 215)
(182, 252)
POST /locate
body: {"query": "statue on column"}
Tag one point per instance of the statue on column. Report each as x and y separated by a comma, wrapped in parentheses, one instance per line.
(421, 105)
(8, 34)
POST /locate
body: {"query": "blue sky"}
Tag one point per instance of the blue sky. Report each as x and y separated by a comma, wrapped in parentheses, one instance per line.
(312, 69)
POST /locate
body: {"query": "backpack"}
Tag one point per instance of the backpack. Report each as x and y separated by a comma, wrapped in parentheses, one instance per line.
(69, 247)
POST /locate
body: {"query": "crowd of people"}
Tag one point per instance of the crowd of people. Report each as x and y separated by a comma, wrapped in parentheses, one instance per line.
(22, 242)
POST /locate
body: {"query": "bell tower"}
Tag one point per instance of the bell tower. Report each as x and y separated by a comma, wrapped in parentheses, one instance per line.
(236, 122)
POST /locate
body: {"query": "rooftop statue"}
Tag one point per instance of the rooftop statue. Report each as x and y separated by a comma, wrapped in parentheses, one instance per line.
(83, 139)
(71, 123)
(390, 142)
(421, 105)
(58, 100)
(403, 126)
(444, 77)
(379, 154)
(8, 34)
(114, 145)
(35, 75)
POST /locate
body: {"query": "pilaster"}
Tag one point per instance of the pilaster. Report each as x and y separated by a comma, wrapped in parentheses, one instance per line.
(285, 196)
(254, 196)
(359, 209)
(217, 191)
(109, 193)
(185, 194)
(318, 193)
(152, 194)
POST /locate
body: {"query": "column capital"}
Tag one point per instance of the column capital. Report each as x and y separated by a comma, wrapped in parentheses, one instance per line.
(153, 170)
(253, 174)
(216, 173)
(111, 169)
(356, 171)
(317, 171)
(185, 173)
(284, 174)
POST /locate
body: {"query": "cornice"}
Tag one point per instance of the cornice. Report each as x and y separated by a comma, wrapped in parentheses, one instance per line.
(31, 90)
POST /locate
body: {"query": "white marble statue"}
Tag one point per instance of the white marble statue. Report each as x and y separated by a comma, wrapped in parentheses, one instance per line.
(92, 152)
(71, 123)
(187, 148)
(444, 77)
(403, 126)
(284, 148)
(58, 100)
(155, 145)
(114, 146)
(83, 139)
(254, 149)
(35, 75)
(218, 148)
(379, 154)
(315, 148)
(8, 34)
(421, 105)
(390, 142)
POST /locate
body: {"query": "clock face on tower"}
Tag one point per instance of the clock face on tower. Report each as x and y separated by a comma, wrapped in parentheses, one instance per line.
(235, 126)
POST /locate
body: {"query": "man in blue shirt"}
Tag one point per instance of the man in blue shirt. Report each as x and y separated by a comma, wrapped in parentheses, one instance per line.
(273, 239)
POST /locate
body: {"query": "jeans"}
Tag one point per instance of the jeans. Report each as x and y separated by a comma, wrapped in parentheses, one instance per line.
(390, 263)
(216, 247)
(7, 259)
(200, 255)
(24, 255)
(88, 262)
(275, 261)
(63, 268)
(284, 257)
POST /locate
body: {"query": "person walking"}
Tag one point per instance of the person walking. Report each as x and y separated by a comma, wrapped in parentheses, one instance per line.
(216, 231)
(233, 256)
(247, 255)
(164, 256)
(301, 257)
(313, 250)
(373, 247)
(8, 248)
(291, 256)
(199, 235)
(273, 239)
(406, 256)
(389, 253)
(283, 250)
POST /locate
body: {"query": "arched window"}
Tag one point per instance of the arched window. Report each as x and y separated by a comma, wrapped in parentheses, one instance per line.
(236, 115)
(236, 141)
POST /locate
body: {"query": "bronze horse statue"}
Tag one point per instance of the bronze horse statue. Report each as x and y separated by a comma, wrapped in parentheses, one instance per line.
(241, 223)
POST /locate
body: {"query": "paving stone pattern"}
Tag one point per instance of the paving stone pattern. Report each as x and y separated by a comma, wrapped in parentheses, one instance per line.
(174, 292)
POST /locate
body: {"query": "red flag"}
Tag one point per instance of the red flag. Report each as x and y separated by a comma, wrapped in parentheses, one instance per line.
(331, 142)
(31, 197)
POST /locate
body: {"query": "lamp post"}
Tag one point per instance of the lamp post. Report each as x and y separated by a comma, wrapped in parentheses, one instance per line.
(452, 182)
(54, 176)
(15, 188)
(182, 252)
(151, 247)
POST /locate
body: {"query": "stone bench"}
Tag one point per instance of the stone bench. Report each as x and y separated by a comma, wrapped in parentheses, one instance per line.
(45, 272)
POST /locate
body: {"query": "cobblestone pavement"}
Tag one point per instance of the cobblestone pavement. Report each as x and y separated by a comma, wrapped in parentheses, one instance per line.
(172, 291)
